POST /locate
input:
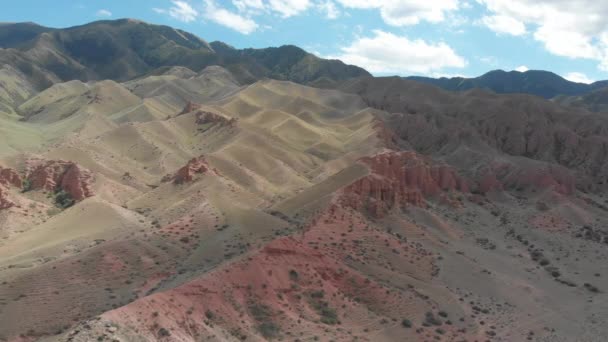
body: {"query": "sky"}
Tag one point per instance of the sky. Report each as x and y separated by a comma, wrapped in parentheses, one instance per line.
(436, 38)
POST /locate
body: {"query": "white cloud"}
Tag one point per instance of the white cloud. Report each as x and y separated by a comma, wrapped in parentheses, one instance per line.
(386, 53)
(159, 10)
(103, 13)
(284, 8)
(183, 11)
(329, 8)
(406, 12)
(504, 24)
(569, 28)
(288, 8)
(578, 77)
(522, 68)
(229, 19)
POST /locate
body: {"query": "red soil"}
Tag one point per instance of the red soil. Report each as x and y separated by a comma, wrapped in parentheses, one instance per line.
(284, 282)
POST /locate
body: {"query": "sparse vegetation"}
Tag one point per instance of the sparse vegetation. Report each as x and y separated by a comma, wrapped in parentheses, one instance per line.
(263, 315)
(27, 185)
(293, 275)
(63, 199)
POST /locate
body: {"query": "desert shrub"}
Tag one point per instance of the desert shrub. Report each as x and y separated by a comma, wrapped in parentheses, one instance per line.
(430, 319)
(406, 323)
(327, 314)
(27, 185)
(293, 275)
(63, 199)
(269, 330)
(263, 315)
(163, 332)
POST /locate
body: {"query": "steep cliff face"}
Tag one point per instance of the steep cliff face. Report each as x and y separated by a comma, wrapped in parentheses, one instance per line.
(5, 201)
(203, 117)
(10, 177)
(399, 179)
(190, 107)
(56, 175)
(506, 176)
(187, 173)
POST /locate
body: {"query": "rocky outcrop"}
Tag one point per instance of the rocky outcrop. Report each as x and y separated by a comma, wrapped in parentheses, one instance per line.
(536, 176)
(386, 136)
(10, 177)
(203, 117)
(399, 179)
(190, 107)
(5, 201)
(57, 175)
(187, 173)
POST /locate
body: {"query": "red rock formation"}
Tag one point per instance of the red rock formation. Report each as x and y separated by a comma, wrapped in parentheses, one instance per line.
(57, 175)
(203, 117)
(501, 176)
(5, 202)
(557, 178)
(187, 172)
(398, 179)
(10, 177)
(190, 107)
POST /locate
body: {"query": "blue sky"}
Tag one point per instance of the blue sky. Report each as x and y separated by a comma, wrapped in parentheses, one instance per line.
(387, 37)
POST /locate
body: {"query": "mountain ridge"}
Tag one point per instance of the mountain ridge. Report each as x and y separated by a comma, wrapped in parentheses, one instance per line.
(536, 82)
(132, 48)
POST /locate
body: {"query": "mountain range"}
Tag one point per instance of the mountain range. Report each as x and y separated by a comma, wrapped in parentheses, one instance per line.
(535, 82)
(156, 187)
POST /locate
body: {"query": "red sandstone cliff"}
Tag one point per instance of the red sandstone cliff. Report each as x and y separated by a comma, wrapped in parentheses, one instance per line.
(10, 177)
(56, 175)
(186, 174)
(398, 179)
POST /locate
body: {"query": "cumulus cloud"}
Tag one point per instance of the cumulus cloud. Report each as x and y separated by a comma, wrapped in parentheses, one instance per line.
(182, 11)
(569, 28)
(229, 19)
(288, 8)
(329, 8)
(522, 68)
(387, 53)
(504, 24)
(578, 77)
(103, 13)
(406, 12)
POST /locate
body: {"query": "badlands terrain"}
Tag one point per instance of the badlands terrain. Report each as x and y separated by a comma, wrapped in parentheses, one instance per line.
(254, 195)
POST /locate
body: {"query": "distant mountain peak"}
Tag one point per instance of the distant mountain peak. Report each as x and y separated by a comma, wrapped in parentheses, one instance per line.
(535, 82)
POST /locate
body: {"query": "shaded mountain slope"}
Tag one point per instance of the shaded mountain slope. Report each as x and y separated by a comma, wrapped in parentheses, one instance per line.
(535, 82)
(476, 123)
(132, 48)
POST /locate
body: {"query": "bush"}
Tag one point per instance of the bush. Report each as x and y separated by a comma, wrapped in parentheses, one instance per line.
(430, 319)
(164, 332)
(27, 185)
(406, 323)
(268, 330)
(64, 200)
(293, 275)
